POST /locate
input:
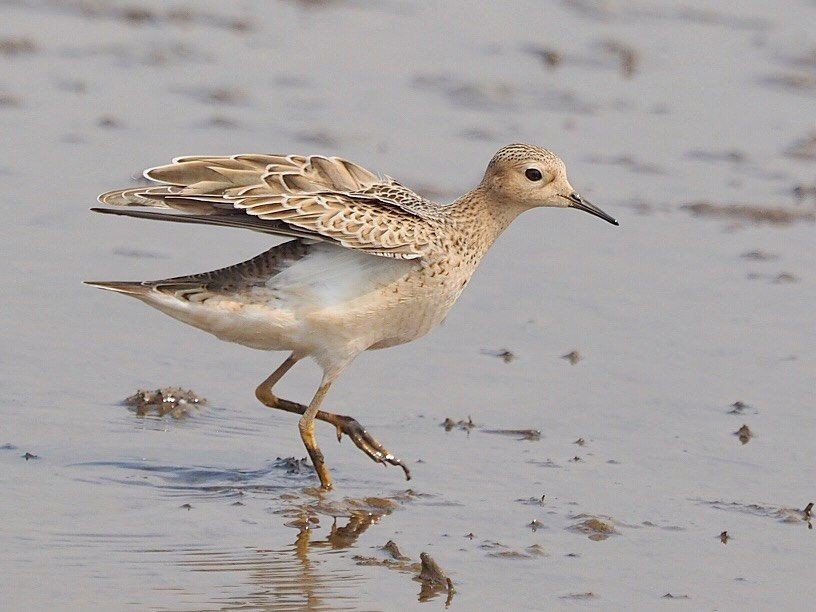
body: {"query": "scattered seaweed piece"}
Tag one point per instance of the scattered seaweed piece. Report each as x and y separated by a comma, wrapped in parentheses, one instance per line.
(497, 550)
(224, 95)
(8, 446)
(505, 355)
(627, 57)
(532, 501)
(392, 549)
(627, 161)
(138, 253)
(17, 46)
(174, 401)
(750, 213)
(782, 514)
(804, 148)
(759, 255)
(220, 121)
(400, 565)
(739, 407)
(450, 424)
(432, 573)
(293, 465)
(777, 279)
(433, 580)
(803, 191)
(784, 278)
(548, 56)
(108, 122)
(573, 357)
(596, 528)
(521, 434)
(744, 434)
(791, 80)
(9, 101)
(580, 596)
(138, 16)
(733, 156)
(672, 596)
(547, 463)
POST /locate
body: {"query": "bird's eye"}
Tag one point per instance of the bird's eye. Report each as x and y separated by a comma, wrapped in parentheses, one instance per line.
(533, 174)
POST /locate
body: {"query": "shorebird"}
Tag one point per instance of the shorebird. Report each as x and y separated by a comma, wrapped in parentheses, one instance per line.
(372, 264)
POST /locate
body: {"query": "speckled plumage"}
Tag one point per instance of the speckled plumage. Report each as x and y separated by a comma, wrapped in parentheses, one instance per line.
(373, 264)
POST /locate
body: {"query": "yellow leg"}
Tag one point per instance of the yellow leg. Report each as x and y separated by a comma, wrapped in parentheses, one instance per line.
(306, 428)
(343, 424)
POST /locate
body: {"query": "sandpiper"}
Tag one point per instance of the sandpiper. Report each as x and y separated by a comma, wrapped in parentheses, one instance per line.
(372, 264)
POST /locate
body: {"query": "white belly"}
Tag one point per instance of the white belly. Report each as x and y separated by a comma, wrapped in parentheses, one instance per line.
(331, 302)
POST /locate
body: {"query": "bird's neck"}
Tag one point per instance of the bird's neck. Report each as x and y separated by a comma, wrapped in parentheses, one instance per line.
(480, 218)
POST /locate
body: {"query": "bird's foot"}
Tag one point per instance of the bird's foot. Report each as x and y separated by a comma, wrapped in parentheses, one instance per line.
(367, 443)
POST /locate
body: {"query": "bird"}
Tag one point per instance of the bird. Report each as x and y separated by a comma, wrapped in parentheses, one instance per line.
(370, 264)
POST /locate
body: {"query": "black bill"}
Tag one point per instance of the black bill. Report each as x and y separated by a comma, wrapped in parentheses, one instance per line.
(580, 203)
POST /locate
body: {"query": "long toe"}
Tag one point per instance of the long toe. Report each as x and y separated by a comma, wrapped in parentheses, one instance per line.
(367, 443)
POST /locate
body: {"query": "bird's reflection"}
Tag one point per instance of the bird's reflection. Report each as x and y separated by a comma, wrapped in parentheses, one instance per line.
(298, 576)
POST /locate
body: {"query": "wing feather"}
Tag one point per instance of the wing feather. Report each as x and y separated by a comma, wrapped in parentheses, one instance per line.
(327, 198)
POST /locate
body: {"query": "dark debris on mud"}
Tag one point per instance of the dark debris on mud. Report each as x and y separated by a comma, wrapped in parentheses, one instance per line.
(573, 357)
(449, 424)
(497, 550)
(468, 425)
(532, 435)
(750, 213)
(175, 401)
(138, 16)
(433, 579)
(782, 278)
(759, 255)
(804, 148)
(596, 528)
(13, 46)
(588, 595)
(739, 407)
(505, 355)
(293, 465)
(744, 434)
(780, 513)
(626, 55)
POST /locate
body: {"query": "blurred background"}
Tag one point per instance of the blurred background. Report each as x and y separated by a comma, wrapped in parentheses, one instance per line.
(691, 122)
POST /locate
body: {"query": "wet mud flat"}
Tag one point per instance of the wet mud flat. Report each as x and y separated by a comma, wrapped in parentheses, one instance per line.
(627, 411)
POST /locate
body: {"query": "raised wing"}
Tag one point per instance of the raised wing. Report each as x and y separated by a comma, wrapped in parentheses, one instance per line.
(325, 198)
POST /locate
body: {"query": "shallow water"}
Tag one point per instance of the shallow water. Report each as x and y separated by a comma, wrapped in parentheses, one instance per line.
(672, 323)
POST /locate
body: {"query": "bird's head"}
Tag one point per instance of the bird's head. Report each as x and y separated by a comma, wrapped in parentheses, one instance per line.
(527, 176)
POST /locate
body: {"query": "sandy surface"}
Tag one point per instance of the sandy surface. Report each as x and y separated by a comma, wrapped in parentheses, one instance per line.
(676, 315)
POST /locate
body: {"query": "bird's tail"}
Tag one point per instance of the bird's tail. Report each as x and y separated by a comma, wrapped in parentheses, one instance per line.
(127, 287)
